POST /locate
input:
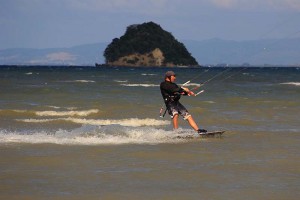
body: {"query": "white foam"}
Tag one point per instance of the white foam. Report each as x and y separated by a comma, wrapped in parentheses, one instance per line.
(291, 83)
(67, 113)
(71, 108)
(55, 107)
(144, 74)
(85, 81)
(20, 111)
(140, 85)
(211, 102)
(121, 81)
(79, 81)
(36, 120)
(72, 112)
(131, 122)
(90, 136)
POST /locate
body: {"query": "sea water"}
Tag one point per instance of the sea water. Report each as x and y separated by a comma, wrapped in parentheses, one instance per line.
(95, 133)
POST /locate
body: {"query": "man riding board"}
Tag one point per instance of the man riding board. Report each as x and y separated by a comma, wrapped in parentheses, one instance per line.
(171, 94)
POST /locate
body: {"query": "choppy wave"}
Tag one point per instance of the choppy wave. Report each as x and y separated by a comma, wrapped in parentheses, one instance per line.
(121, 81)
(16, 112)
(91, 135)
(67, 113)
(132, 122)
(55, 107)
(67, 108)
(52, 113)
(140, 85)
(291, 83)
(79, 81)
(211, 102)
(144, 74)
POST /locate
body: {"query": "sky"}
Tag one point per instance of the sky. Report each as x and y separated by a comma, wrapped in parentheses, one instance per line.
(67, 23)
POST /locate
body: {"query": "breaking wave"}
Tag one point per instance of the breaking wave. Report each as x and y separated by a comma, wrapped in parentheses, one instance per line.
(95, 135)
(144, 74)
(79, 81)
(67, 113)
(131, 122)
(52, 113)
(121, 81)
(291, 83)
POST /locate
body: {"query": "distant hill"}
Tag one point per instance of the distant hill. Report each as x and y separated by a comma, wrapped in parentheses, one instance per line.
(87, 54)
(254, 52)
(147, 44)
(207, 52)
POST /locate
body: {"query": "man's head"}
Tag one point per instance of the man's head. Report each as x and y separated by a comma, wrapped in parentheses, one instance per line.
(170, 76)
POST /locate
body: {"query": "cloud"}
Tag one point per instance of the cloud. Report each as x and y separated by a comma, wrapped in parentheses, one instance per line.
(160, 6)
(129, 6)
(143, 7)
(104, 5)
(224, 3)
(276, 5)
(61, 23)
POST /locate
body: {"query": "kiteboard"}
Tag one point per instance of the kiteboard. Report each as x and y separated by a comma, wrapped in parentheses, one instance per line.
(202, 135)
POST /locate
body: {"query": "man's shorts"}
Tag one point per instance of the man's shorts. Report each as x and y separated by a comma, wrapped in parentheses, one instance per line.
(175, 108)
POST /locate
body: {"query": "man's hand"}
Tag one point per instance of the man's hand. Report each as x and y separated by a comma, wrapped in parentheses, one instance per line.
(189, 92)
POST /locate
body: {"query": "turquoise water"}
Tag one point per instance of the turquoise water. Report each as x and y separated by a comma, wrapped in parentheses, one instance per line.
(81, 132)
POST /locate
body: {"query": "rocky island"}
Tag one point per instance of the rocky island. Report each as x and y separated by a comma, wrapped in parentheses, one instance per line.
(147, 44)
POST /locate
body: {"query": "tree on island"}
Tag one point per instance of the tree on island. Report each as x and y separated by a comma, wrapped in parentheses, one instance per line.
(142, 39)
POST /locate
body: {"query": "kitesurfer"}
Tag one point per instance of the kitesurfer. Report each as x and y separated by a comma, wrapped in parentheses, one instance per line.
(171, 94)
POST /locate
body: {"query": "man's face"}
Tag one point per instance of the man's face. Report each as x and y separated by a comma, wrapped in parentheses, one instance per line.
(172, 78)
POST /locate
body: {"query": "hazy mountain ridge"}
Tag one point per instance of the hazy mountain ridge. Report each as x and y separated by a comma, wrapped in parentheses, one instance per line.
(254, 52)
(86, 54)
(206, 52)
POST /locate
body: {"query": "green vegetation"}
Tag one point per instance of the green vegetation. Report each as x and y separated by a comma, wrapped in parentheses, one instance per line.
(144, 38)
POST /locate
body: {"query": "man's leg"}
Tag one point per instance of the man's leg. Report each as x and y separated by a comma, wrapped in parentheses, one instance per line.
(192, 123)
(175, 121)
